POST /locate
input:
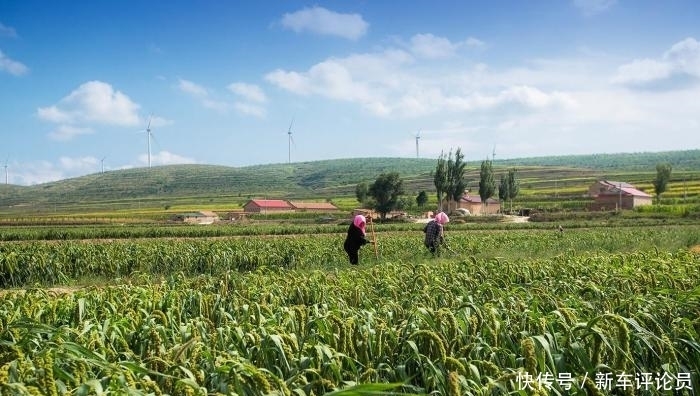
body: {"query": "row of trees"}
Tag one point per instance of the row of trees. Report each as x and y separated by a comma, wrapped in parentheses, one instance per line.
(387, 191)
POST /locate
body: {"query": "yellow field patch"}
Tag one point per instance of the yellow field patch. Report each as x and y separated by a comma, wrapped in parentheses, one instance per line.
(695, 249)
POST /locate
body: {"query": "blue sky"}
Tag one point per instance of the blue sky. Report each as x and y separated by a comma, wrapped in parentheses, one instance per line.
(221, 81)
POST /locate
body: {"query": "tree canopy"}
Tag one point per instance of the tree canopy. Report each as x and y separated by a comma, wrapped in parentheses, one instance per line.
(386, 190)
(663, 176)
(487, 184)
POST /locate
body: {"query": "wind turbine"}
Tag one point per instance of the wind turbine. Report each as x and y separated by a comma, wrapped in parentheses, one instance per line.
(103, 164)
(289, 132)
(417, 137)
(6, 159)
(149, 135)
(493, 153)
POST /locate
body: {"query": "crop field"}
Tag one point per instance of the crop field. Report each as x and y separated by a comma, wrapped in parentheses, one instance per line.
(591, 311)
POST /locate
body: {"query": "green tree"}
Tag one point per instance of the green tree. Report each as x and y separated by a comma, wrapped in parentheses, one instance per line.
(361, 192)
(663, 176)
(440, 178)
(422, 199)
(455, 176)
(503, 187)
(487, 184)
(513, 186)
(386, 191)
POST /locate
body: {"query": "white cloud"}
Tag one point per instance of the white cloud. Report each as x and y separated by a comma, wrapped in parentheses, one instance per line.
(11, 66)
(474, 42)
(433, 47)
(685, 56)
(217, 105)
(165, 158)
(191, 88)
(681, 60)
(38, 172)
(68, 132)
(249, 92)
(7, 31)
(429, 46)
(249, 109)
(642, 71)
(82, 164)
(382, 84)
(322, 21)
(592, 7)
(93, 102)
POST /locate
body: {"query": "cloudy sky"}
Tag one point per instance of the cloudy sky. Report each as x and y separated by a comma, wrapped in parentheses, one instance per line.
(220, 82)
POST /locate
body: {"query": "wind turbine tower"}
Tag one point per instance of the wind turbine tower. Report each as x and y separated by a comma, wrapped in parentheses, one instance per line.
(102, 161)
(149, 134)
(493, 153)
(417, 138)
(289, 143)
(6, 171)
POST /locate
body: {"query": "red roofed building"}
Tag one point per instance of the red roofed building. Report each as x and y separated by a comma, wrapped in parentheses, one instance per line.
(621, 198)
(474, 205)
(267, 206)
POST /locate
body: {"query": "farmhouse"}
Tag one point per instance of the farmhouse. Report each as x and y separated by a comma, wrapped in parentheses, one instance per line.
(299, 206)
(201, 217)
(474, 205)
(601, 186)
(267, 206)
(621, 198)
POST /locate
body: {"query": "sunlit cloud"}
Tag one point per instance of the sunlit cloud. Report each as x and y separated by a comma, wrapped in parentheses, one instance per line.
(12, 66)
(681, 61)
(249, 92)
(322, 21)
(93, 102)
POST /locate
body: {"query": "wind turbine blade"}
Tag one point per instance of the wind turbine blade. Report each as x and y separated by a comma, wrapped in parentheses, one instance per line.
(293, 143)
(149, 122)
(290, 126)
(156, 141)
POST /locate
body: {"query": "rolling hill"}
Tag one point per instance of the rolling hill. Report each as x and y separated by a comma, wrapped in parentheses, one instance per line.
(326, 179)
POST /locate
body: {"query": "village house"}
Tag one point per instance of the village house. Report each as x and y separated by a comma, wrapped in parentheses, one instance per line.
(267, 206)
(474, 205)
(601, 186)
(616, 198)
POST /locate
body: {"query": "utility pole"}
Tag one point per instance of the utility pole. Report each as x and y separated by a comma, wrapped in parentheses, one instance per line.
(619, 199)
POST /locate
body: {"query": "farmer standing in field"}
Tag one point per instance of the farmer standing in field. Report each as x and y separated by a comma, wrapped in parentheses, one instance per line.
(435, 233)
(355, 239)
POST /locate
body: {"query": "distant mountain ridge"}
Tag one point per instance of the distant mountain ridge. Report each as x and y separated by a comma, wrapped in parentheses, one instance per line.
(301, 179)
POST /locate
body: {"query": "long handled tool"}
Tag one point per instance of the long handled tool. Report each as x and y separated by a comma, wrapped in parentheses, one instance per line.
(449, 249)
(374, 236)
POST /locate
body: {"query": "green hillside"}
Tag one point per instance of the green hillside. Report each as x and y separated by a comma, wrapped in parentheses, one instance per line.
(564, 176)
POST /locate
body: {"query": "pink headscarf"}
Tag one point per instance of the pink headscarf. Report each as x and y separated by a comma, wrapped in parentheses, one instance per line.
(442, 218)
(360, 222)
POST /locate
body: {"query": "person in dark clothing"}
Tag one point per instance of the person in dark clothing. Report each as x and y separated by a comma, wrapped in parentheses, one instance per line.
(434, 233)
(355, 239)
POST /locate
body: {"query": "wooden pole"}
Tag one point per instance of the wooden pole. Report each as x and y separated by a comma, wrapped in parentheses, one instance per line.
(374, 236)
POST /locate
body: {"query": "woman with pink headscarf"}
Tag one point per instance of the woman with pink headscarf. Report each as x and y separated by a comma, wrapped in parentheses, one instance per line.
(435, 233)
(355, 239)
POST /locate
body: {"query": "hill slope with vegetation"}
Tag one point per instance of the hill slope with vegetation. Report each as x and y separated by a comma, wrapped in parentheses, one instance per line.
(327, 179)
